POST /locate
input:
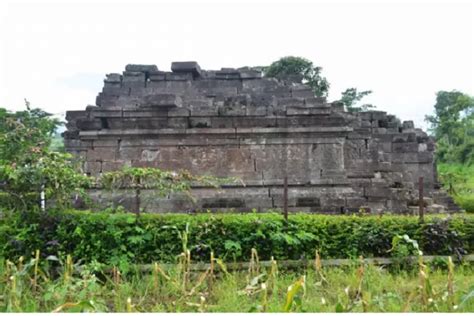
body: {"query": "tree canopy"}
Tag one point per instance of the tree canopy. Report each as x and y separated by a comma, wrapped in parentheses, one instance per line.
(28, 165)
(351, 97)
(452, 124)
(303, 68)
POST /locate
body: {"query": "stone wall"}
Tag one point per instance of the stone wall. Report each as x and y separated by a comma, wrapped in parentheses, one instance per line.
(235, 123)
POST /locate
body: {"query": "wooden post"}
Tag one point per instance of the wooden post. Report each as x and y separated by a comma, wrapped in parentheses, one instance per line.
(137, 196)
(285, 198)
(421, 205)
(42, 198)
(137, 201)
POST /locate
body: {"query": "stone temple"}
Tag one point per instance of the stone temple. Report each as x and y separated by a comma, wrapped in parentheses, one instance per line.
(237, 123)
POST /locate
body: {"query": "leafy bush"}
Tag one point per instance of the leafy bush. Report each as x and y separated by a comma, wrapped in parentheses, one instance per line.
(466, 202)
(120, 238)
(458, 180)
(28, 166)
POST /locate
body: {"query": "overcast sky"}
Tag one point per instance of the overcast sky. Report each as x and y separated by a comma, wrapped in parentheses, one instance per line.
(56, 55)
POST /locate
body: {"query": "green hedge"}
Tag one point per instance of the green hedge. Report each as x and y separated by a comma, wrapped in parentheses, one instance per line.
(116, 238)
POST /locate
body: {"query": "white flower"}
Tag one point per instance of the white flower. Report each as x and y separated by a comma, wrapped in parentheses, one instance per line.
(347, 290)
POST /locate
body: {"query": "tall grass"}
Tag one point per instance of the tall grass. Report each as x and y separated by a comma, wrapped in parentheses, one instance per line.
(53, 284)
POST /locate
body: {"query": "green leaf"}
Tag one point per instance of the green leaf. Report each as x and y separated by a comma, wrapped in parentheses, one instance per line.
(293, 289)
(52, 258)
(130, 219)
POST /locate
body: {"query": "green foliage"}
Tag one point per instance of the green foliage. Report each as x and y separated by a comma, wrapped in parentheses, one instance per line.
(28, 166)
(291, 66)
(160, 181)
(57, 143)
(121, 238)
(458, 180)
(25, 133)
(403, 246)
(165, 182)
(350, 97)
(453, 127)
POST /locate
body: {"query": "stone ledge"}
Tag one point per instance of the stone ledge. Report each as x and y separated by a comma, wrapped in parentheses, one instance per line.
(218, 131)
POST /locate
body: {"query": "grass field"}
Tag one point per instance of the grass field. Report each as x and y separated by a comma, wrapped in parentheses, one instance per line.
(38, 287)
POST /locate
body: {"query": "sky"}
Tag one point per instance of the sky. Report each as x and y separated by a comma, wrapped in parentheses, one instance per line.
(56, 54)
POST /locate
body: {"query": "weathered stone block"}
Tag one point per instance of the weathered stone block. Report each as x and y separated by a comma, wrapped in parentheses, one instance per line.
(74, 115)
(179, 88)
(250, 74)
(252, 110)
(307, 111)
(228, 74)
(108, 166)
(377, 192)
(142, 123)
(178, 122)
(93, 167)
(204, 111)
(156, 75)
(291, 102)
(243, 122)
(408, 125)
(98, 143)
(105, 113)
(133, 79)
(263, 87)
(355, 202)
(404, 147)
(88, 124)
(140, 68)
(200, 122)
(186, 67)
(101, 154)
(222, 122)
(178, 112)
(145, 112)
(301, 91)
(162, 100)
(113, 78)
(316, 102)
(378, 115)
(129, 153)
(77, 144)
(232, 110)
(170, 76)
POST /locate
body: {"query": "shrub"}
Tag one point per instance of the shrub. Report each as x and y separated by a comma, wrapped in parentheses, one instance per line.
(117, 238)
(466, 202)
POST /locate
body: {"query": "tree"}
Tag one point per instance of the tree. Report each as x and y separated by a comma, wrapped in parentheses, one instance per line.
(350, 97)
(27, 165)
(25, 132)
(303, 68)
(453, 126)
